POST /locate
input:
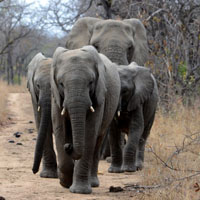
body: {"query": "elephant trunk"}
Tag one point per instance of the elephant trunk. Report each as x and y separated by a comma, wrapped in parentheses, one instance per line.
(45, 122)
(116, 54)
(77, 115)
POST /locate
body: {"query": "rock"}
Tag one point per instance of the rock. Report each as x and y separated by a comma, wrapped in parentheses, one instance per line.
(109, 159)
(30, 130)
(2, 198)
(115, 189)
(11, 141)
(30, 122)
(34, 138)
(18, 134)
(19, 143)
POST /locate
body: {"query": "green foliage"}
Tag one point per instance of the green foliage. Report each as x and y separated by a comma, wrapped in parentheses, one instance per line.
(182, 69)
(17, 80)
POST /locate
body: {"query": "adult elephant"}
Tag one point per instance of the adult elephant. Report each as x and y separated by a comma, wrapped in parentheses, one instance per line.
(85, 96)
(138, 103)
(121, 41)
(39, 87)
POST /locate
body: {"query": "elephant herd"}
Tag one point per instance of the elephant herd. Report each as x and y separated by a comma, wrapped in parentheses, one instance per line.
(89, 93)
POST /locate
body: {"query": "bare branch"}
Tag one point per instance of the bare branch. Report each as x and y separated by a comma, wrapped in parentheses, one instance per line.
(130, 187)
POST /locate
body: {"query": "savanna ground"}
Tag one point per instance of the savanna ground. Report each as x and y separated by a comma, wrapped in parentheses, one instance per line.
(172, 157)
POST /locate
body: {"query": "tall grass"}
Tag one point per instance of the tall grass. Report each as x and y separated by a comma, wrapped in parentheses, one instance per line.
(4, 91)
(172, 157)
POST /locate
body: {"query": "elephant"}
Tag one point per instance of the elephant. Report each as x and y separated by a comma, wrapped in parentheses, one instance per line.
(38, 84)
(122, 41)
(136, 112)
(85, 96)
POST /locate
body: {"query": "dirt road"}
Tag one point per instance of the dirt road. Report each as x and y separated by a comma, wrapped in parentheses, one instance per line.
(17, 182)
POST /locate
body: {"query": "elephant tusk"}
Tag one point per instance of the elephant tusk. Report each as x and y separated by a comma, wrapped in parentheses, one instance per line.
(118, 113)
(38, 109)
(63, 111)
(92, 109)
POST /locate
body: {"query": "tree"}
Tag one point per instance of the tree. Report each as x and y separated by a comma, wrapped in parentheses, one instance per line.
(173, 30)
(13, 29)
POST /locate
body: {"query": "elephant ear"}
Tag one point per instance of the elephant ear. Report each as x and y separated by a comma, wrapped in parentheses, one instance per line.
(31, 72)
(140, 55)
(100, 90)
(143, 86)
(54, 87)
(81, 33)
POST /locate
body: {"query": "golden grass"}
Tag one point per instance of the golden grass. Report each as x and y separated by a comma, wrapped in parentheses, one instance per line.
(4, 91)
(173, 155)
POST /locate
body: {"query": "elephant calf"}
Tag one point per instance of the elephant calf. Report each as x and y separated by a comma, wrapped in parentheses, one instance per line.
(138, 103)
(39, 87)
(85, 96)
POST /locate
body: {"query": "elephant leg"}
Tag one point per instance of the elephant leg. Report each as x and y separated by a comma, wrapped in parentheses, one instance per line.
(85, 171)
(105, 148)
(115, 138)
(49, 158)
(65, 162)
(142, 142)
(82, 171)
(136, 128)
(94, 169)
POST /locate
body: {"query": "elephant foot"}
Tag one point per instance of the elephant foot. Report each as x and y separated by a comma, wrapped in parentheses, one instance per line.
(65, 181)
(64, 184)
(139, 166)
(94, 182)
(81, 188)
(49, 173)
(129, 168)
(115, 169)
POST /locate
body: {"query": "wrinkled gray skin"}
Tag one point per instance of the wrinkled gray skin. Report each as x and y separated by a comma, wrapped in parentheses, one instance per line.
(121, 41)
(138, 102)
(80, 79)
(39, 87)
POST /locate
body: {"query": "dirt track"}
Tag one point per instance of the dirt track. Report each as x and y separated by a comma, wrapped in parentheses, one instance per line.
(17, 182)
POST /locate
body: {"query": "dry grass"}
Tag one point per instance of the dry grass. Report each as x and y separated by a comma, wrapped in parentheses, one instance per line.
(4, 91)
(172, 159)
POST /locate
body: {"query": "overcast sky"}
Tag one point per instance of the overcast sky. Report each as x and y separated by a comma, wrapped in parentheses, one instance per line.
(43, 2)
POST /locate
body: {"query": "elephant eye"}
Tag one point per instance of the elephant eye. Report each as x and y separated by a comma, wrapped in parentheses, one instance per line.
(98, 27)
(90, 83)
(125, 91)
(38, 86)
(130, 53)
(128, 29)
(61, 84)
(96, 46)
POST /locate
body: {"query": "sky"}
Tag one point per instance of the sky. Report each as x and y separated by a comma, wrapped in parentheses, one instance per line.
(37, 3)
(41, 2)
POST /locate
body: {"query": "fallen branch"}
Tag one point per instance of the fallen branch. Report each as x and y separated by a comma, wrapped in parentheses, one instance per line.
(147, 187)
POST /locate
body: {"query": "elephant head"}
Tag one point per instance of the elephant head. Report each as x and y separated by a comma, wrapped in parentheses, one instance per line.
(39, 86)
(78, 87)
(121, 41)
(137, 85)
